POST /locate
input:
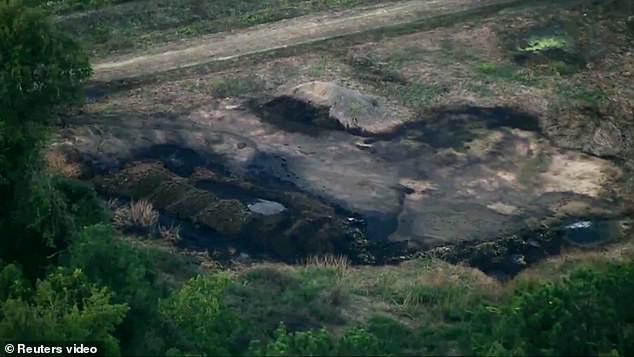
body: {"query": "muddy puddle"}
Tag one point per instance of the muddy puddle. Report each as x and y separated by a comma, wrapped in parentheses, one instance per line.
(290, 183)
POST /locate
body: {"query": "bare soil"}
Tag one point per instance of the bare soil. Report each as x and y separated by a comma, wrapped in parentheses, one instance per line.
(487, 148)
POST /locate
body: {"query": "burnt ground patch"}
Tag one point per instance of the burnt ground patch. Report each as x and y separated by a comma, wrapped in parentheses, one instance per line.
(180, 160)
(445, 128)
(452, 128)
(295, 115)
(508, 256)
(414, 154)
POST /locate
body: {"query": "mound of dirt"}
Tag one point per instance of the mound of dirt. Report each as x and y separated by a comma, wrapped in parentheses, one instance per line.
(296, 226)
(329, 105)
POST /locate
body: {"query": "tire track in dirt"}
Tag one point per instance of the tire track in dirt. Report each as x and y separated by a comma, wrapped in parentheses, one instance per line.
(283, 34)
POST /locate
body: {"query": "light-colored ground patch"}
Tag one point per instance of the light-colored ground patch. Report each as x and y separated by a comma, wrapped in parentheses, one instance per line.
(578, 173)
(502, 208)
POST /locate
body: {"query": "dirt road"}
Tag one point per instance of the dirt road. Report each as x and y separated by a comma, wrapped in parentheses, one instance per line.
(282, 34)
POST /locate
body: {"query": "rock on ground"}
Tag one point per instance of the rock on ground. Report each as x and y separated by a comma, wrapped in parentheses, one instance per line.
(352, 109)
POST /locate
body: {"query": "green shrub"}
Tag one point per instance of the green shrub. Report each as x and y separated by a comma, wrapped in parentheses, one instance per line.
(199, 310)
(41, 69)
(82, 202)
(358, 342)
(588, 313)
(546, 43)
(65, 307)
(393, 337)
(13, 284)
(134, 275)
(309, 343)
(37, 227)
(304, 299)
(354, 342)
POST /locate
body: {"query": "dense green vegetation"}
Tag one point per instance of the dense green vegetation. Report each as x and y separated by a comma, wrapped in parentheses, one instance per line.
(65, 274)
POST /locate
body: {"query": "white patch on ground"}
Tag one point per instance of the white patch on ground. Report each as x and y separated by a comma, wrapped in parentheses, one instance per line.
(266, 208)
(509, 177)
(578, 173)
(503, 208)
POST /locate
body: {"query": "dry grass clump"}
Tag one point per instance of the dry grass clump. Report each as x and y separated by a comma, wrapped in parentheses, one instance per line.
(59, 164)
(171, 233)
(435, 288)
(112, 204)
(139, 214)
(338, 263)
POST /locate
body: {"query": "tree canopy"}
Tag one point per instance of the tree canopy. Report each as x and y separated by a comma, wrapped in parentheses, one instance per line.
(41, 69)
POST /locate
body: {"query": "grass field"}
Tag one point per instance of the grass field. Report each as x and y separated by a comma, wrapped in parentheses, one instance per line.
(107, 27)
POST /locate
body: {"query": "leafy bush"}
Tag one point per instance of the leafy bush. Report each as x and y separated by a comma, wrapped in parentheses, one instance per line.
(133, 275)
(354, 342)
(309, 343)
(40, 70)
(358, 342)
(64, 307)
(394, 338)
(588, 313)
(82, 202)
(199, 311)
(13, 284)
(303, 299)
(53, 210)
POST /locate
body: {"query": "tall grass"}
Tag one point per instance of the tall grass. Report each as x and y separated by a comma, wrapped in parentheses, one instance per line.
(138, 214)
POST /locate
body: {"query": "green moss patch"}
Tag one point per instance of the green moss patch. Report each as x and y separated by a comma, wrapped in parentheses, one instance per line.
(539, 44)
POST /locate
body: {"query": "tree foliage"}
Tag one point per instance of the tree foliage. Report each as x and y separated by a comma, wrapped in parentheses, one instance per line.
(64, 307)
(199, 310)
(133, 276)
(354, 342)
(40, 69)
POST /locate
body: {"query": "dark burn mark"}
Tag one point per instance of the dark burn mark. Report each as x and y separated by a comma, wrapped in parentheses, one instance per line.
(442, 129)
(453, 128)
(267, 177)
(293, 115)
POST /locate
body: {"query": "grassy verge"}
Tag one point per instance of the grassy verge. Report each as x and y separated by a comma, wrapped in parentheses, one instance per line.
(419, 307)
(113, 26)
(418, 297)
